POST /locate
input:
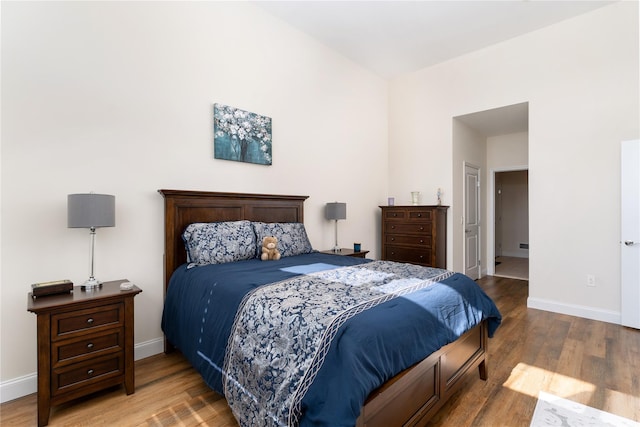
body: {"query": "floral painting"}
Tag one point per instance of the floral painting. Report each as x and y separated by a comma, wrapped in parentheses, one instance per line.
(241, 135)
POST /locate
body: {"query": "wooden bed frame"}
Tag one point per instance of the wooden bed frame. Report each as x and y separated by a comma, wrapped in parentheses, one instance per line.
(412, 397)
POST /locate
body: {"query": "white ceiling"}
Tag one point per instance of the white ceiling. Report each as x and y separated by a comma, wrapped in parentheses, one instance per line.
(394, 37)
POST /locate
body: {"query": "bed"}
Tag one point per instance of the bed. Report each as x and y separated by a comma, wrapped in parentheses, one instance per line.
(346, 386)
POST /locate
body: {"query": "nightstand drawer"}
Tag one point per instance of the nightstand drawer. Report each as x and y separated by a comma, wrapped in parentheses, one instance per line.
(408, 254)
(69, 351)
(408, 228)
(65, 324)
(401, 239)
(81, 374)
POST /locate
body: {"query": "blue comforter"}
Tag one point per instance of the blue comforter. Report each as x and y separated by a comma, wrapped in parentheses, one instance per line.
(369, 349)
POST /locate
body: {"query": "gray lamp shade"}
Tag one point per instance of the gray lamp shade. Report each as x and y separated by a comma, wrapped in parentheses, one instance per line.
(91, 210)
(336, 211)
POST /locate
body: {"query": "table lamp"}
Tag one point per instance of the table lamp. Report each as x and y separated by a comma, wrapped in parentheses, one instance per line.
(91, 211)
(336, 211)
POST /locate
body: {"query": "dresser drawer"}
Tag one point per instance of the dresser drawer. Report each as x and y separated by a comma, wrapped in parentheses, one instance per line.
(81, 321)
(408, 214)
(69, 351)
(403, 239)
(408, 254)
(82, 374)
(408, 228)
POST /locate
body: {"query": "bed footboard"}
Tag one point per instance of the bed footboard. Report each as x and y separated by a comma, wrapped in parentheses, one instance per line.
(412, 397)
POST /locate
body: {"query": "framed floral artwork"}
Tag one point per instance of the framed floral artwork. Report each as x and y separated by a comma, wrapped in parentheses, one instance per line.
(241, 136)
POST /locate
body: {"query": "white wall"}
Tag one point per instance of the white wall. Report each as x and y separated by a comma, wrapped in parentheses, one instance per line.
(117, 97)
(508, 151)
(580, 78)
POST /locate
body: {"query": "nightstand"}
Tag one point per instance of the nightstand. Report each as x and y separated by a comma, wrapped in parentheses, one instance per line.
(85, 343)
(347, 252)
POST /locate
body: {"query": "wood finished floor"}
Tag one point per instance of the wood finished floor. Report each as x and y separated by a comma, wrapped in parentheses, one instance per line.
(590, 362)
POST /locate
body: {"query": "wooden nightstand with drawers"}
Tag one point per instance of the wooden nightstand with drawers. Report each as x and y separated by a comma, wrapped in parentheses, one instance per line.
(85, 343)
(347, 252)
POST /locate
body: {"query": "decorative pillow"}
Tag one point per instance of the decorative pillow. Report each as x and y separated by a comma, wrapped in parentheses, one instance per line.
(219, 242)
(292, 237)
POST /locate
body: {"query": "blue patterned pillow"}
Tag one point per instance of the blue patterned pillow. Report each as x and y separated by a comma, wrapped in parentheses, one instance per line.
(292, 237)
(219, 242)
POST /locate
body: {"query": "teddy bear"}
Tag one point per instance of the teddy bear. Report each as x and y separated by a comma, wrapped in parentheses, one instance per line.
(270, 249)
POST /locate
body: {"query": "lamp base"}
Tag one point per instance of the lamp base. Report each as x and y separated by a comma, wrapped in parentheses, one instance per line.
(91, 284)
(337, 249)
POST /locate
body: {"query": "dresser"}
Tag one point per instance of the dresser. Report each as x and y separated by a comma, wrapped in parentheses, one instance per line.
(85, 343)
(415, 234)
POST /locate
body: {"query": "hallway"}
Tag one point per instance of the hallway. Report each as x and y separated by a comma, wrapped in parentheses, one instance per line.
(512, 267)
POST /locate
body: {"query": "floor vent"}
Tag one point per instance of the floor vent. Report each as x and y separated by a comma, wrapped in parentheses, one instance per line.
(524, 246)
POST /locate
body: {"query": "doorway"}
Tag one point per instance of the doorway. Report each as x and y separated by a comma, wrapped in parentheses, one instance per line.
(511, 223)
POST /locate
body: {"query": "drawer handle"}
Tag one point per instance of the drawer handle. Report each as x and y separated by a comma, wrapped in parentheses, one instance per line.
(395, 214)
(421, 241)
(421, 257)
(393, 227)
(90, 372)
(393, 239)
(421, 228)
(90, 320)
(90, 345)
(419, 215)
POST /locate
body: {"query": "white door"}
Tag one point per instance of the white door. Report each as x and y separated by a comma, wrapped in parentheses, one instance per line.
(471, 221)
(630, 233)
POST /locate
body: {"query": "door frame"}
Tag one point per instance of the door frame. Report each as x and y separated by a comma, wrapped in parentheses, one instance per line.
(630, 232)
(464, 218)
(491, 214)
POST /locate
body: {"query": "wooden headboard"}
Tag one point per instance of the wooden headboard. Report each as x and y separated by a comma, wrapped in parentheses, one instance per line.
(182, 208)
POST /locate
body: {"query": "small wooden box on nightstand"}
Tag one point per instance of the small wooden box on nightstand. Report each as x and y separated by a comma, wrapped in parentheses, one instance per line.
(85, 343)
(347, 252)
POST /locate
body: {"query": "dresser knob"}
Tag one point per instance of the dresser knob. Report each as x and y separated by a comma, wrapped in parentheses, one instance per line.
(421, 228)
(393, 239)
(90, 372)
(421, 241)
(395, 214)
(419, 215)
(421, 257)
(90, 345)
(393, 227)
(90, 320)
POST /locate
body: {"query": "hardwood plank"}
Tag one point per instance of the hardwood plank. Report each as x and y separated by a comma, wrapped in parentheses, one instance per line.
(590, 362)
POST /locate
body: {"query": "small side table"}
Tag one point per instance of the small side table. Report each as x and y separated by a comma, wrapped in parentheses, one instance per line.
(85, 343)
(347, 252)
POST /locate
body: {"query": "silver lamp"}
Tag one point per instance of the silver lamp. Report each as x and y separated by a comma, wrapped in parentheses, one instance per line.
(91, 211)
(336, 211)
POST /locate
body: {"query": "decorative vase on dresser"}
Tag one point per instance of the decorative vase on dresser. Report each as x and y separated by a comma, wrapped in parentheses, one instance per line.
(415, 234)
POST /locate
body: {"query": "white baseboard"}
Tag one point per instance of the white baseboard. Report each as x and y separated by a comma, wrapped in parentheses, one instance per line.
(18, 387)
(575, 310)
(28, 384)
(148, 348)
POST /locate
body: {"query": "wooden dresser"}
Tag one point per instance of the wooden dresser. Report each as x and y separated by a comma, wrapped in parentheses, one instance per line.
(415, 234)
(85, 343)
